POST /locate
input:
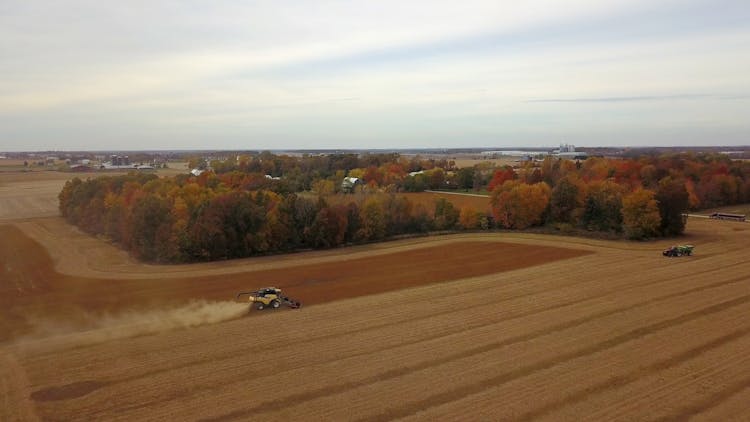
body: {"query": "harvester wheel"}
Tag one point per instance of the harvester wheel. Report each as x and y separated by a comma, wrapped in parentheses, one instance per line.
(275, 304)
(259, 306)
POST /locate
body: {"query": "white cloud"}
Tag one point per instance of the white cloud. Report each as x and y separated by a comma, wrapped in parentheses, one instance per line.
(299, 71)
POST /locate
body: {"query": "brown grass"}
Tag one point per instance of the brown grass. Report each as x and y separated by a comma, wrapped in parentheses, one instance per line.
(459, 200)
(427, 199)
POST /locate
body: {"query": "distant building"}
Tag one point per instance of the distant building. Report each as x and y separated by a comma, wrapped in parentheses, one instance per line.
(569, 152)
(119, 160)
(509, 153)
(564, 148)
(350, 183)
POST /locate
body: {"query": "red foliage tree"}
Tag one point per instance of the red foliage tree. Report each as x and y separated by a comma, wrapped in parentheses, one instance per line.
(501, 176)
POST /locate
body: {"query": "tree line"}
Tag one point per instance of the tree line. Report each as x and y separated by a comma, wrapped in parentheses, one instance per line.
(241, 210)
(186, 219)
(639, 198)
(712, 180)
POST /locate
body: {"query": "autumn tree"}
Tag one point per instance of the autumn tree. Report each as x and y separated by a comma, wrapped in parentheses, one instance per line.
(353, 222)
(446, 215)
(470, 219)
(501, 176)
(304, 212)
(373, 176)
(640, 214)
(416, 183)
(436, 178)
(393, 174)
(466, 178)
(603, 206)
(517, 205)
(65, 196)
(151, 225)
(673, 201)
(398, 214)
(329, 227)
(323, 187)
(372, 220)
(551, 170)
(567, 200)
(649, 175)
(693, 201)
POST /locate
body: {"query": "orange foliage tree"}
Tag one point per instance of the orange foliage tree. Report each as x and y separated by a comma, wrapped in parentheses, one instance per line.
(517, 205)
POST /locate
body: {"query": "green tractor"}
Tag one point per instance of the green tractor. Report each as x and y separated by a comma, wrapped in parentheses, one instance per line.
(679, 250)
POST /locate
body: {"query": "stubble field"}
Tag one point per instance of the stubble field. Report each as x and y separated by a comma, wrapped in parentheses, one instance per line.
(477, 326)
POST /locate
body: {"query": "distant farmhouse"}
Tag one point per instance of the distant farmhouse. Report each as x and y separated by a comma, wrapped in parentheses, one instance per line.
(350, 183)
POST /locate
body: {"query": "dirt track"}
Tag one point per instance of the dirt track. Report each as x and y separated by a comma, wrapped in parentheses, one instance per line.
(583, 330)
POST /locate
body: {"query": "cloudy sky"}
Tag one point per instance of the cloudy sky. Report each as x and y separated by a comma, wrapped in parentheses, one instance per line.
(284, 74)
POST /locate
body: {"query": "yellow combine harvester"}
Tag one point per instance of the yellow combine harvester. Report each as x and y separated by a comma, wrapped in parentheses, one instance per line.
(269, 297)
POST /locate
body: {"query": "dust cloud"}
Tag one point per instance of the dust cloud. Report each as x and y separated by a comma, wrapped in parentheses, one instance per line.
(89, 328)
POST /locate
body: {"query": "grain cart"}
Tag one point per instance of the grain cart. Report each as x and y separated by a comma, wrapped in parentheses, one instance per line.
(269, 297)
(679, 250)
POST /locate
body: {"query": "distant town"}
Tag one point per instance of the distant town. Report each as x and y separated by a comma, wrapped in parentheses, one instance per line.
(81, 161)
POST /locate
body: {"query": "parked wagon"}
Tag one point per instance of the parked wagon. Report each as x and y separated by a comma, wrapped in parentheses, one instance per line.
(727, 216)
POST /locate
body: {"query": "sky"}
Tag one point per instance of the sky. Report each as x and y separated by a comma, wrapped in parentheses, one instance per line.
(309, 74)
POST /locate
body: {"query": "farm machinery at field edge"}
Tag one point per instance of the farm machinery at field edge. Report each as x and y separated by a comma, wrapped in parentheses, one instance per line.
(269, 297)
(678, 250)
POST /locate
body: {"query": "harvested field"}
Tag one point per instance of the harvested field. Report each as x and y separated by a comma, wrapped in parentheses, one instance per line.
(30, 285)
(480, 326)
(33, 193)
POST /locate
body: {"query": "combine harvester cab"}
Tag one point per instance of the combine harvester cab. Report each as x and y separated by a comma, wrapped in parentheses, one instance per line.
(679, 250)
(269, 297)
